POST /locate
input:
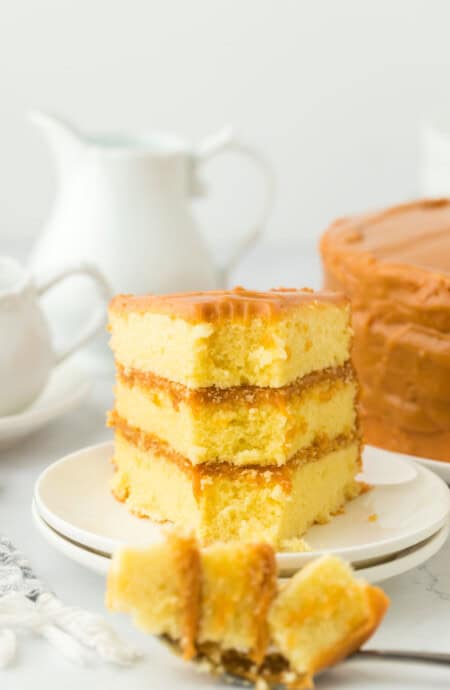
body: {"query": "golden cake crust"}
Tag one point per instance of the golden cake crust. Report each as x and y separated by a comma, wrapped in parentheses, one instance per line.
(216, 305)
(378, 605)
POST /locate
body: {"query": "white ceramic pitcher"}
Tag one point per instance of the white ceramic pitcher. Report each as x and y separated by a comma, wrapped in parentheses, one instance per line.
(123, 203)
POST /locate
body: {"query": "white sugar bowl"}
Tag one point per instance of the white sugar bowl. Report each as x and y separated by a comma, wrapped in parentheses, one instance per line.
(27, 355)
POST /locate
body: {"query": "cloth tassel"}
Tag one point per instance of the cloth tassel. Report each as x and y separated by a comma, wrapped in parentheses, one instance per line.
(26, 605)
(8, 647)
(89, 629)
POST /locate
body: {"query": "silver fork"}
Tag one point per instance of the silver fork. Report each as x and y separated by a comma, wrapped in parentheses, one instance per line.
(441, 658)
(402, 655)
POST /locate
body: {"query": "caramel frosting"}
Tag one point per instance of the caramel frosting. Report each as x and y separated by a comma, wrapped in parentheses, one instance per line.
(395, 267)
(266, 474)
(251, 395)
(216, 305)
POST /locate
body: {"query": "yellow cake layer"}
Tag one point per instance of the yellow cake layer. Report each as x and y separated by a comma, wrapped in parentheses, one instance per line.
(251, 430)
(257, 351)
(225, 502)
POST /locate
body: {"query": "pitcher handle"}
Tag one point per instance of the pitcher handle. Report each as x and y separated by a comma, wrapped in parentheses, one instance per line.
(226, 141)
(97, 320)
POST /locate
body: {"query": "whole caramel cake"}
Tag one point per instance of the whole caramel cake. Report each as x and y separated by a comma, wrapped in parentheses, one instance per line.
(395, 267)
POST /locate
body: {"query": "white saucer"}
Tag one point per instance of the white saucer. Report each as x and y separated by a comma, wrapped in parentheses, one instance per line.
(67, 387)
(73, 497)
(393, 565)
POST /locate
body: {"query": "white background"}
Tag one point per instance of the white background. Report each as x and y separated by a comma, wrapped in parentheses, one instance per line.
(333, 92)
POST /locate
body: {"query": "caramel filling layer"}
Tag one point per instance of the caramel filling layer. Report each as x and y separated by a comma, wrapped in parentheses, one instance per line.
(251, 395)
(189, 567)
(204, 472)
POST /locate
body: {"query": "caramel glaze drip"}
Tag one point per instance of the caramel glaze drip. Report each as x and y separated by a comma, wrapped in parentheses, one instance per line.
(395, 267)
(261, 571)
(263, 577)
(188, 565)
(263, 475)
(235, 304)
(250, 395)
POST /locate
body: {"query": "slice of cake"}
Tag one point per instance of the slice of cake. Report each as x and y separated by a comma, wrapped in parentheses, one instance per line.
(323, 614)
(235, 411)
(220, 595)
(228, 611)
(160, 587)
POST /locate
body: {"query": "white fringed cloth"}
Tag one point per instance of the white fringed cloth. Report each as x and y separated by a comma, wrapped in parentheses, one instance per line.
(28, 606)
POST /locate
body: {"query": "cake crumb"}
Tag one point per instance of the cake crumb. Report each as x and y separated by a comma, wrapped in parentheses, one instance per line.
(295, 544)
(373, 517)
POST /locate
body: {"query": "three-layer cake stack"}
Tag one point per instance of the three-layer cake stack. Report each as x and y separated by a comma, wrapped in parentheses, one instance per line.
(235, 411)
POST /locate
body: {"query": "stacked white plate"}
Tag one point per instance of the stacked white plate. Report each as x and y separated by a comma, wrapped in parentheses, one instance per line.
(397, 525)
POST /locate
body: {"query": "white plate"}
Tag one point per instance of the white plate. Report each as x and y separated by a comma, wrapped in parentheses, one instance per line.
(439, 467)
(67, 387)
(73, 497)
(383, 468)
(394, 565)
(82, 555)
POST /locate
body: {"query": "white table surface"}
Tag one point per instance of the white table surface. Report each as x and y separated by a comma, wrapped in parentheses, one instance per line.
(419, 617)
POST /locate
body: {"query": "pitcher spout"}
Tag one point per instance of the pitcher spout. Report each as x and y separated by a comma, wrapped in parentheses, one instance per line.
(65, 140)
